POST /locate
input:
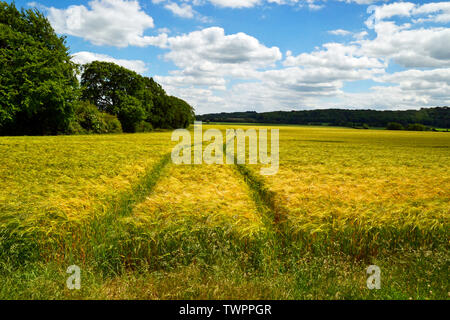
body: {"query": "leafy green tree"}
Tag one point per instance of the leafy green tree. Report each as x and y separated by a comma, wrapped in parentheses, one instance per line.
(182, 114)
(88, 119)
(130, 113)
(117, 91)
(105, 84)
(416, 127)
(38, 84)
(395, 126)
(134, 99)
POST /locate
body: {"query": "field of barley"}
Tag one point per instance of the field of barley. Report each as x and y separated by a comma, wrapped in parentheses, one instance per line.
(141, 227)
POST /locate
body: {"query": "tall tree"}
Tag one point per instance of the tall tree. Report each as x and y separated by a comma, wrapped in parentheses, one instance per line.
(133, 98)
(118, 91)
(38, 84)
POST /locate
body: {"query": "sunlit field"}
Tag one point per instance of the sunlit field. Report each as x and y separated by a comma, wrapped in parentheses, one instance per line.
(141, 227)
(200, 196)
(49, 184)
(363, 191)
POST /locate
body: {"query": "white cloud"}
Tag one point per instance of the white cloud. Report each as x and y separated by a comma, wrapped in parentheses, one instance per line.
(420, 79)
(387, 11)
(280, 91)
(414, 88)
(164, 30)
(173, 6)
(336, 56)
(410, 47)
(362, 2)
(118, 23)
(184, 10)
(360, 35)
(437, 12)
(208, 57)
(218, 71)
(235, 3)
(244, 4)
(315, 7)
(356, 35)
(410, 44)
(213, 46)
(311, 4)
(210, 63)
(84, 57)
(339, 32)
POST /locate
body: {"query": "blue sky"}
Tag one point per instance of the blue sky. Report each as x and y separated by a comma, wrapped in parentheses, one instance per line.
(237, 55)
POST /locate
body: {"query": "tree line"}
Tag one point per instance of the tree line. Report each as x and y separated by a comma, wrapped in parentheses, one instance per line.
(40, 93)
(438, 117)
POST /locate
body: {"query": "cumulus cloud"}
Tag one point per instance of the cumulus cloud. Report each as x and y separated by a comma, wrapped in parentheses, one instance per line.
(184, 10)
(435, 12)
(414, 88)
(424, 47)
(118, 23)
(213, 46)
(84, 57)
(243, 4)
(236, 71)
(235, 3)
(311, 4)
(387, 11)
(362, 2)
(337, 56)
(339, 32)
(407, 89)
(318, 78)
(207, 57)
(409, 44)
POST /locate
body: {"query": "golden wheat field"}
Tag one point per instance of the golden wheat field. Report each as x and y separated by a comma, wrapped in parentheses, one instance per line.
(371, 187)
(212, 195)
(117, 206)
(70, 178)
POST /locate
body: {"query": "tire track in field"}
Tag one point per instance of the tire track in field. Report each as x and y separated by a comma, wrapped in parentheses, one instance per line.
(125, 202)
(109, 239)
(265, 199)
(128, 200)
(101, 238)
(272, 212)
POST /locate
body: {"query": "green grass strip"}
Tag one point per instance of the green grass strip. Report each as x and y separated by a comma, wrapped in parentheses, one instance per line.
(274, 215)
(128, 200)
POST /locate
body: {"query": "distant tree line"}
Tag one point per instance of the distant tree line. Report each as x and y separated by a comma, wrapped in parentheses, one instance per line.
(438, 117)
(40, 93)
(409, 127)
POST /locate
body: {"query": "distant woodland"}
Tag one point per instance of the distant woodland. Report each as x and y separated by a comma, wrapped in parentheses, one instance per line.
(425, 118)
